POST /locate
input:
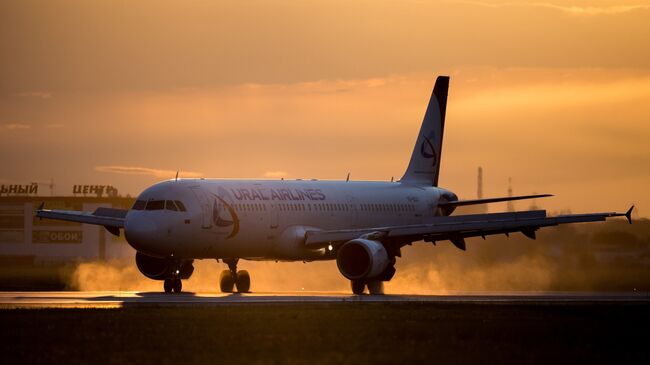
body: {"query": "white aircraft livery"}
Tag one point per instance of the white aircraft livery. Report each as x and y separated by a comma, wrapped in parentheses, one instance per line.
(362, 225)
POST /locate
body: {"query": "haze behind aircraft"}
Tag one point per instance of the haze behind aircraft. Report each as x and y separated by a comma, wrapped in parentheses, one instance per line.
(362, 225)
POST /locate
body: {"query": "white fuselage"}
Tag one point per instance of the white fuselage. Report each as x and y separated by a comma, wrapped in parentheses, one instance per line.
(267, 219)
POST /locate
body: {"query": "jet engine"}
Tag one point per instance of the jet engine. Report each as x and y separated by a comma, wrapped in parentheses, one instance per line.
(362, 259)
(163, 268)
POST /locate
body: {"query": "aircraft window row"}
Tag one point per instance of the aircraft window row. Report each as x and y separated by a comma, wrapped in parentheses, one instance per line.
(331, 207)
(387, 207)
(296, 207)
(252, 207)
(174, 205)
(322, 207)
(319, 207)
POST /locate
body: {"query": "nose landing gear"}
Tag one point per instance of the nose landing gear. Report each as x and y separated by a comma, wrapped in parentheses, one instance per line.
(173, 285)
(232, 278)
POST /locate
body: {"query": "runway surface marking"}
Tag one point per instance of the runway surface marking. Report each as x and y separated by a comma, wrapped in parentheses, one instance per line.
(116, 299)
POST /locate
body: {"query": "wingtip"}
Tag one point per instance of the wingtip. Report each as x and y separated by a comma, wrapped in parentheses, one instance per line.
(628, 214)
(40, 209)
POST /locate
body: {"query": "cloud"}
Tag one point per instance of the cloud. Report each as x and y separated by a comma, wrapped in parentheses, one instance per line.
(574, 10)
(275, 174)
(35, 94)
(558, 93)
(138, 170)
(16, 126)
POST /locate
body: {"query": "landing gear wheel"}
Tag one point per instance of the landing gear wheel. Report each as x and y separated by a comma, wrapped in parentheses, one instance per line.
(243, 281)
(358, 286)
(376, 287)
(177, 285)
(168, 286)
(226, 281)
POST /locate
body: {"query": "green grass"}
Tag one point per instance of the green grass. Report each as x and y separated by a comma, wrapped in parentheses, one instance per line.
(351, 333)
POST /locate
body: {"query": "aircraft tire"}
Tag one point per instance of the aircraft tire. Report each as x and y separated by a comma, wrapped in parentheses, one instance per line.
(177, 285)
(358, 286)
(226, 281)
(376, 287)
(243, 282)
(167, 285)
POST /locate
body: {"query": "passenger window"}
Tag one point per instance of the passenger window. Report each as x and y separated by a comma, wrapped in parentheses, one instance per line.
(155, 205)
(169, 205)
(139, 205)
(180, 205)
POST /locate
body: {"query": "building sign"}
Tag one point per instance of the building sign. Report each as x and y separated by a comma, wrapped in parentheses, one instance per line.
(57, 236)
(97, 190)
(17, 189)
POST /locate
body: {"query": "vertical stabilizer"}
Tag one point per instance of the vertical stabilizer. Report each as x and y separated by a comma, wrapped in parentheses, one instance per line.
(424, 167)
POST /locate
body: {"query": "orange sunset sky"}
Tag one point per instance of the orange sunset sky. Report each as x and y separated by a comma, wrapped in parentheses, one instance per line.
(555, 94)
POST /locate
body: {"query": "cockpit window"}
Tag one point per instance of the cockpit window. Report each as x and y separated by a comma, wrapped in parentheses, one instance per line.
(139, 205)
(169, 205)
(155, 205)
(180, 205)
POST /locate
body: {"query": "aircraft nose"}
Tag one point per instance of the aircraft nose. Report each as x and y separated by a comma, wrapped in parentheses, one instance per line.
(140, 231)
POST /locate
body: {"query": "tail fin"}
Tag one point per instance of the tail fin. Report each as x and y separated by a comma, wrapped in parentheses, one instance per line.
(424, 167)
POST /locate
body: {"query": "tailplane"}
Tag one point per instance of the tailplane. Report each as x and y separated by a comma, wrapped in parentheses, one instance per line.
(424, 167)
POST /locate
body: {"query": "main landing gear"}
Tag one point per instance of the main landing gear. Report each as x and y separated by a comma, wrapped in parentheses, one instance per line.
(231, 278)
(173, 285)
(375, 287)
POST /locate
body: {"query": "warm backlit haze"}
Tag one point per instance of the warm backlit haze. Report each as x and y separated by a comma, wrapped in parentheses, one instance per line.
(555, 94)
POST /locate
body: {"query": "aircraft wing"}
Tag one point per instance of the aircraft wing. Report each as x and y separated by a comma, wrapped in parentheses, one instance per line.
(112, 219)
(457, 228)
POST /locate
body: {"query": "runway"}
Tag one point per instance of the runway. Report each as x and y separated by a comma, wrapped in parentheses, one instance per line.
(118, 299)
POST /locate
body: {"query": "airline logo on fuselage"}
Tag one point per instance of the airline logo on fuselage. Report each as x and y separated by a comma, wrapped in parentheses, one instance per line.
(219, 207)
(278, 194)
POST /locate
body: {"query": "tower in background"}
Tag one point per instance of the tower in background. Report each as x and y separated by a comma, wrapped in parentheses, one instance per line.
(479, 184)
(510, 207)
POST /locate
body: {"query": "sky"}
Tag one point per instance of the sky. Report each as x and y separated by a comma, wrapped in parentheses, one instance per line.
(553, 94)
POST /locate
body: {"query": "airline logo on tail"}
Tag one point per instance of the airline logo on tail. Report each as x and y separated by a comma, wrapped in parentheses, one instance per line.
(427, 150)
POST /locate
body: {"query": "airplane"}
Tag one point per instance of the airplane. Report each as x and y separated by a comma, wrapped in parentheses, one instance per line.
(363, 225)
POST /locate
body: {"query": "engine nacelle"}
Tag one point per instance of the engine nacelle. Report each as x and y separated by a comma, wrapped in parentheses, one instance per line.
(163, 268)
(362, 259)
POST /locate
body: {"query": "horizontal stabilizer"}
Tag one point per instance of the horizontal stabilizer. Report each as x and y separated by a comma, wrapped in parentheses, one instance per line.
(458, 203)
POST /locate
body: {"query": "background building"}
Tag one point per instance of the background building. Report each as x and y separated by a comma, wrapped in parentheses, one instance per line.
(28, 240)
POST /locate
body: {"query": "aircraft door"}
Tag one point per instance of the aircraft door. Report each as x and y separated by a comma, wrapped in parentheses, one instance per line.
(273, 215)
(352, 210)
(206, 206)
